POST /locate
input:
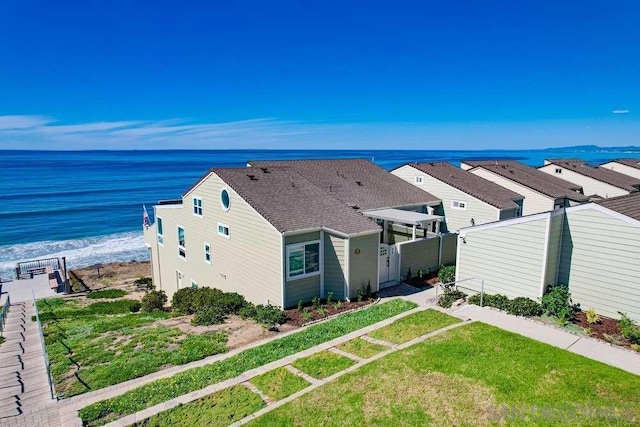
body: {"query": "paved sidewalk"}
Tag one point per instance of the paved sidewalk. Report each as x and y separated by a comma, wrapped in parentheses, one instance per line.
(25, 396)
(587, 347)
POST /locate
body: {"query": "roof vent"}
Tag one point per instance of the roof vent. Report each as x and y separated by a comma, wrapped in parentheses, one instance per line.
(359, 183)
(252, 177)
(265, 170)
(355, 207)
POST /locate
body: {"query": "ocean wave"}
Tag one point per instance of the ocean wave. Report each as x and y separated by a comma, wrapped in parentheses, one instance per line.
(78, 252)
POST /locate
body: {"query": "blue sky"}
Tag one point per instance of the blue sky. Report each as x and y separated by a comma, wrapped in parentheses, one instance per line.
(326, 74)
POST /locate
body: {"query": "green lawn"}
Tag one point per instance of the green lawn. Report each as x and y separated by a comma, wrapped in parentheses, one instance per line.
(413, 326)
(323, 364)
(197, 378)
(218, 409)
(279, 383)
(107, 293)
(472, 375)
(362, 348)
(89, 351)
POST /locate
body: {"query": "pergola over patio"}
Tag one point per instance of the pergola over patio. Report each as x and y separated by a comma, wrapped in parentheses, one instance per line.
(399, 216)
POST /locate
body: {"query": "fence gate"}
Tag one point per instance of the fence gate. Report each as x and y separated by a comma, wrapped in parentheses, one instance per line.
(387, 265)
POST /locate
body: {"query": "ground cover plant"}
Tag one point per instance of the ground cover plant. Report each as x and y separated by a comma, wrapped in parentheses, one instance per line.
(472, 375)
(218, 409)
(89, 349)
(362, 348)
(413, 326)
(279, 383)
(321, 308)
(323, 364)
(107, 293)
(197, 378)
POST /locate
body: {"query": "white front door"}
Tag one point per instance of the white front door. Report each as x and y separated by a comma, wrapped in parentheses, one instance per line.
(387, 265)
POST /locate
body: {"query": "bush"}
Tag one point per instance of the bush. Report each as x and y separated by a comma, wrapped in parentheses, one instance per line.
(592, 316)
(154, 301)
(501, 302)
(135, 306)
(523, 306)
(475, 299)
(447, 273)
(209, 316)
(267, 315)
(629, 329)
(557, 302)
(193, 300)
(184, 300)
(144, 282)
(449, 297)
(106, 293)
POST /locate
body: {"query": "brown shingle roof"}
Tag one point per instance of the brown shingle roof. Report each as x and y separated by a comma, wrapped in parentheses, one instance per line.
(290, 202)
(531, 177)
(358, 183)
(607, 176)
(628, 205)
(474, 185)
(634, 163)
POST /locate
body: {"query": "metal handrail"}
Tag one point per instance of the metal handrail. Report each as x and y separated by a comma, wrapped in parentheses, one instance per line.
(456, 286)
(23, 266)
(44, 349)
(4, 313)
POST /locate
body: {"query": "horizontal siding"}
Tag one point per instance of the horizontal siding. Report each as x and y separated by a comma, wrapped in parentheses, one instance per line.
(600, 262)
(334, 265)
(249, 262)
(589, 185)
(304, 289)
(363, 266)
(508, 258)
(480, 211)
(419, 255)
(553, 251)
(627, 170)
(533, 202)
(304, 237)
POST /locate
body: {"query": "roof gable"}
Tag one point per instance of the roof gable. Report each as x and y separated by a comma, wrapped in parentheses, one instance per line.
(628, 205)
(467, 182)
(604, 175)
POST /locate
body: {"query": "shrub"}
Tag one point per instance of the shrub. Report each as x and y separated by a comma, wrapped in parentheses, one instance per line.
(135, 306)
(144, 282)
(230, 303)
(557, 302)
(501, 302)
(523, 306)
(269, 316)
(184, 300)
(592, 316)
(193, 300)
(447, 299)
(209, 316)
(629, 329)
(106, 293)
(315, 303)
(329, 298)
(447, 273)
(475, 299)
(154, 301)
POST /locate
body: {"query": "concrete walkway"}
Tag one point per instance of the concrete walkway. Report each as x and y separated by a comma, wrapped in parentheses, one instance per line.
(584, 346)
(25, 397)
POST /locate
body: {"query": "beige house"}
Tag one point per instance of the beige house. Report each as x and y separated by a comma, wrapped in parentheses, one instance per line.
(467, 199)
(542, 192)
(593, 248)
(278, 234)
(597, 183)
(630, 167)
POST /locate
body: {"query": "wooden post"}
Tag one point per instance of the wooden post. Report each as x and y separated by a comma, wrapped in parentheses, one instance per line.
(67, 287)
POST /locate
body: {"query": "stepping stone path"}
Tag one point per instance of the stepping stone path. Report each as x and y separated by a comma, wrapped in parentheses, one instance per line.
(25, 396)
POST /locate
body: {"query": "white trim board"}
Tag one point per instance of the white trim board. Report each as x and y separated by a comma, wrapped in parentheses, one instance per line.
(512, 221)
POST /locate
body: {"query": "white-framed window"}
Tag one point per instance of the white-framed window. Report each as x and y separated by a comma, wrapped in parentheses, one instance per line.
(558, 170)
(418, 179)
(303, 260)
(207, 253)
(159, 230)
(223, 230)
(455, 204)
(194, 284)
(197, 206)
(182, 250)
(225, 201)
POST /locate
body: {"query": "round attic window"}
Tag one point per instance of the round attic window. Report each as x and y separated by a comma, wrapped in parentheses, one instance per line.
(224, 199)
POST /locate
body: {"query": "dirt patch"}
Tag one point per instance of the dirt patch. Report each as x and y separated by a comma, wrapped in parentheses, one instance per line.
(606, 326)
(114, 275)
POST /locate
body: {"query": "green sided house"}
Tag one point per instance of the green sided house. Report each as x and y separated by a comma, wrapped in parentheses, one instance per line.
(467, 199)
(593, 248)
(278, 234)
(542, 192)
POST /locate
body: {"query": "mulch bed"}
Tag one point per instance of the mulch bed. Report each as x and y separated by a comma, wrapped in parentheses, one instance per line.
(604, 326)
(295, 317)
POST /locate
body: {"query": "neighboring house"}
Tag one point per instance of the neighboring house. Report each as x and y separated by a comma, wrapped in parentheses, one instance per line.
(542, 192)
(276, 237)
(630, 167)
(598, 183)
(593, 248)
(467, 199)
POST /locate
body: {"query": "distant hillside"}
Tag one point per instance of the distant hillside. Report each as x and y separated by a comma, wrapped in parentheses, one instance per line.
(595, 148)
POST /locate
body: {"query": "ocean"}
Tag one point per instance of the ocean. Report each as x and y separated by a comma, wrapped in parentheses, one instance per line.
(87, 205)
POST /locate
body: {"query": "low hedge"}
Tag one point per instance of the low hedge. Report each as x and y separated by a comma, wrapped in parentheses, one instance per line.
(520, 306)
(165, 389)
